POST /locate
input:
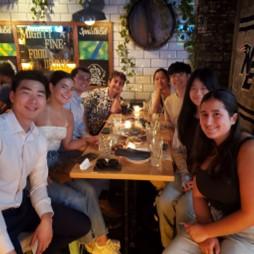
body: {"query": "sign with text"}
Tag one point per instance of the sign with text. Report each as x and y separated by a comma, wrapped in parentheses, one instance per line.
(46, 47)
(95, 51)
(7, 44)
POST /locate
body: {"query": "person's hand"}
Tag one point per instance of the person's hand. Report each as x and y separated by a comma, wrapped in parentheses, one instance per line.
(210, 246)
(187, 182)
(196, 232)
(43, 234)
(94, 140)
(12, 252)
(116, 105)
(187, 186)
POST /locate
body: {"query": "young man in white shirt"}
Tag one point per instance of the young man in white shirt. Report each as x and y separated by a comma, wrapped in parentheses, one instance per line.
(24, 169)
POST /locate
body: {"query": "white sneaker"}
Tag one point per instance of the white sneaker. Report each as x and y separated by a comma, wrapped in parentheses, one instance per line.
(111, 247)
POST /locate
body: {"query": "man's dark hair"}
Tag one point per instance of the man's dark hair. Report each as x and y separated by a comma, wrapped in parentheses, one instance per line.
(117, 74)
(178, 67)
(7, 70)
(30, 75)
(75, 71)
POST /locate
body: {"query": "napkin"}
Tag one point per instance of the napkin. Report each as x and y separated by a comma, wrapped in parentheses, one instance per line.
(85, 164)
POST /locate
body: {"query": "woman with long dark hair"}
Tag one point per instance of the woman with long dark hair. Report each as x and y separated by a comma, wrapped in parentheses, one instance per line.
(223, 184)
(161, 91)
(56, 123)
(174, 204)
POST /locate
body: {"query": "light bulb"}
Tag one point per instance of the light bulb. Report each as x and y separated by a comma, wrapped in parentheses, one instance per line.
(90, 22)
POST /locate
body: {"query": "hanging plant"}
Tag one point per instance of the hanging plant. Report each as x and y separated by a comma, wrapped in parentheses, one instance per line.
(127, 62)
(186, 28)
(41, 8)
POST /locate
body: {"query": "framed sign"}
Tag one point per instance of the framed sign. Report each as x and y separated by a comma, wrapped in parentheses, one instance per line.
(7, 44)
(45, 47)
(59, 46)
(242, 64)
(94, 44)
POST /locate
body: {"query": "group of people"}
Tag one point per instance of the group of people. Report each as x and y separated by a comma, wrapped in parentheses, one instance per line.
(209, 207)
(46, 121)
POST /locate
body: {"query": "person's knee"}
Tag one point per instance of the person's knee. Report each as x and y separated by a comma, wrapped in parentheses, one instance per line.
(184, 209)
(163, 203)
(85, 188)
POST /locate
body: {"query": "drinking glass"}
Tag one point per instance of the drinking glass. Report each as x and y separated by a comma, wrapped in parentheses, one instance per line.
(117, 123)
(104, 145)
(156, 151)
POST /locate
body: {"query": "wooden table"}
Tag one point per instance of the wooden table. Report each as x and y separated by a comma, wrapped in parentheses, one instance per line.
(129, 171)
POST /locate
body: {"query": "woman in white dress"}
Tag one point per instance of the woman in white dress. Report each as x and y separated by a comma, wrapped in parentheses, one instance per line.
(56, 123)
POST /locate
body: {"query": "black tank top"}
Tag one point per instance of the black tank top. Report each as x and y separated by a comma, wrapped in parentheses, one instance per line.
(222, 192)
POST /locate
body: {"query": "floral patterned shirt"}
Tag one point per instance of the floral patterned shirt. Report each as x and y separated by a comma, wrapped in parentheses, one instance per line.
(97, 106)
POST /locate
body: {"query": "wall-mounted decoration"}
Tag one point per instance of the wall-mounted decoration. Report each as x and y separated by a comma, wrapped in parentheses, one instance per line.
(95, 50)
(151, 23)
(45, 47)
(59, 46)
(242, 71)
(7, 44)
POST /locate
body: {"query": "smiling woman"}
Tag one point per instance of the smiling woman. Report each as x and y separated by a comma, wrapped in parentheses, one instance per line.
(223, 186)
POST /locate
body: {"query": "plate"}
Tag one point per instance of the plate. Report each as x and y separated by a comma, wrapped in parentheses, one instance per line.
(137, 161)
(133, 155)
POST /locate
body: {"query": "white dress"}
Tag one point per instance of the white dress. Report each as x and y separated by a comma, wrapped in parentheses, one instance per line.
(54, 135)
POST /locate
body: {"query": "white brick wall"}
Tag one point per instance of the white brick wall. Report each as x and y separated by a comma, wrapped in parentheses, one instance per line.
(147, 62)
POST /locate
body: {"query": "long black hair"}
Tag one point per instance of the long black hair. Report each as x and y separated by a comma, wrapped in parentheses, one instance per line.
(224, 154)
(164, 71)
(189, 109)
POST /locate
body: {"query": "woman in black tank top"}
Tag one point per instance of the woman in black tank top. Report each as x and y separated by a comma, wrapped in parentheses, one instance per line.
(223, 183)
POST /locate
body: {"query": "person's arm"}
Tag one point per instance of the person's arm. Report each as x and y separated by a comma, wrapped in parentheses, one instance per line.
(167, 112)
(40, 200)
(116, 105)
(244, 217)
(179, 154)
(6, 245)
(155, 101)
(68, 142)
(87, 101)
(202, 211)
(203, 216)
(43, 234)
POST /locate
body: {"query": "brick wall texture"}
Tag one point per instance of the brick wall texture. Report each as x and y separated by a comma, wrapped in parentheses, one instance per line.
(214, 41)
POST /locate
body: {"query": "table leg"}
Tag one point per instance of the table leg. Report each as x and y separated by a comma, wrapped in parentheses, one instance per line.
(126, 214)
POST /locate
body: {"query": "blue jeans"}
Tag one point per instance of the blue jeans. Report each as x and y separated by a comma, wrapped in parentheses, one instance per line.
(173, 207)
(81, 196)
(240, 243)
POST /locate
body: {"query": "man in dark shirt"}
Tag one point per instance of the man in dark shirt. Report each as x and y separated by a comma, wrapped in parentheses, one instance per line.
(7, 73)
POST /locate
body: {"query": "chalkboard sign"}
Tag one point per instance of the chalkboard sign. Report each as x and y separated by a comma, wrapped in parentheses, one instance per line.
(7, 44)
(45, 47)
(59, 46)
(94, 45)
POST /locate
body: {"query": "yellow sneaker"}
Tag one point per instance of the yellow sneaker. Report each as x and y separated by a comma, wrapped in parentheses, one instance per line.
(111, 247)
(89, 248)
